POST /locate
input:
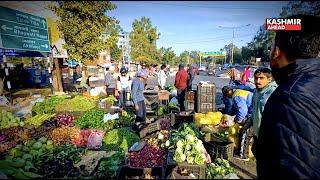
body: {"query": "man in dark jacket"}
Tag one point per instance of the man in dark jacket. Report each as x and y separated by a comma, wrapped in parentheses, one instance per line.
(288, 145)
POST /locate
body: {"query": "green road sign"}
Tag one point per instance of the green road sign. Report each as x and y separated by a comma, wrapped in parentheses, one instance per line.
(215, 54)
(23, 31)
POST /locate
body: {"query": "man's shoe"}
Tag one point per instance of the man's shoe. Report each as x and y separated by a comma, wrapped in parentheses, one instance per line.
(242, 159)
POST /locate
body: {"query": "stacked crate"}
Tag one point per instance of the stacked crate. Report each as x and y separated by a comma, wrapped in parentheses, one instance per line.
(189, 102)
(206, 98)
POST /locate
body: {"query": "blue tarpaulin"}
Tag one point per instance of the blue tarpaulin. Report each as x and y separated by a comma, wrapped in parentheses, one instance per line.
(72, 63)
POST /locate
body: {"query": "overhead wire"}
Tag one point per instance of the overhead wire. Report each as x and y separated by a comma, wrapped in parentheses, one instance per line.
(210, 7)
(210, 40)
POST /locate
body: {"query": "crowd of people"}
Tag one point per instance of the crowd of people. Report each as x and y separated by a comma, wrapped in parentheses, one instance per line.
(281, 113)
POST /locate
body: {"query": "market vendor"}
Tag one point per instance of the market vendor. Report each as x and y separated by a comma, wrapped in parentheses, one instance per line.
(242, 109)
(123, 85)
(138, 85)
(76, 74)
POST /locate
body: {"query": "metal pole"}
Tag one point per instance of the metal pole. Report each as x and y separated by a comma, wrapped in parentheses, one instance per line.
(200, 62)
(7, 75)
(232, 47)
(49, 59)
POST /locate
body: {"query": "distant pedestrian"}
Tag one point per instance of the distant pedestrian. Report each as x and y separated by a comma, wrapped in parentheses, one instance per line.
(162, 77)
(245, 75)
(191, 75)
(181, 85)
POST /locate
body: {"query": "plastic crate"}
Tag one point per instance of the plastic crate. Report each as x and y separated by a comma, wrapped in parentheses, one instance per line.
(206, 98)
(206, 88)
(206, 107)
(219, 149)
(190, 96)
(163, 95)
(127, 172)
(198, 170)
(151, 128)
(177, 119)
(189, 105)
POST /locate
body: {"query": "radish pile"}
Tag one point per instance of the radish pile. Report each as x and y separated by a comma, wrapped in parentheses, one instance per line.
(148, 157)
(65, 120)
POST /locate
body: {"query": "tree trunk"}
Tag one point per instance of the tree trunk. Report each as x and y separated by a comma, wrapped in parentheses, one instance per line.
(56, 77)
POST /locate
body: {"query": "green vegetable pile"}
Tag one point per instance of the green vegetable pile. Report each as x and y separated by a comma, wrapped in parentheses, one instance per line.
(14, 170)
(170, 87)
(221, 170)
(223, 135)
(187, 146)
(29, 156)
(108, 168)
(173, 105)
(78, 103)
(162, 110)
(48, 105)
(125, 120)
(39, 119)
(60, 165)
(119, 139)
(111, 99)
(8, 120)
(91, 119)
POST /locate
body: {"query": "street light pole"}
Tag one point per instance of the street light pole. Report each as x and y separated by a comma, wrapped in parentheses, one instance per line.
(231, 62)
(232, 47)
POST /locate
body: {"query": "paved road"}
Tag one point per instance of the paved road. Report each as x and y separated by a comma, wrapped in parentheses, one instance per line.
(219, 82)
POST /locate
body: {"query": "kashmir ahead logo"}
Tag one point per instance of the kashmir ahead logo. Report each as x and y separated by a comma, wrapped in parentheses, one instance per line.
(283, 24)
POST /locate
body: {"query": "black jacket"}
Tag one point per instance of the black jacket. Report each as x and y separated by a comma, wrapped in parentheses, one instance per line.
(288, 146)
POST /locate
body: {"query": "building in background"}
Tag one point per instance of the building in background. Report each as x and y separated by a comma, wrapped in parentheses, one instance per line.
(123, 43)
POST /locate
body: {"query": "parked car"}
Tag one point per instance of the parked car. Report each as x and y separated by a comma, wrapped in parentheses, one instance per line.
(202, 68)
(212, 69)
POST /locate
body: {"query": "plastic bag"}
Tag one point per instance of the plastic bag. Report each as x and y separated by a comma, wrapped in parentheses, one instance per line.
(95, 139)
(227, 120)
(109, 116)
(174, 100)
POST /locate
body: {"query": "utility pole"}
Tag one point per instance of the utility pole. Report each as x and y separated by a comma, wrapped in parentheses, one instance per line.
(231, 62)
(233, 28)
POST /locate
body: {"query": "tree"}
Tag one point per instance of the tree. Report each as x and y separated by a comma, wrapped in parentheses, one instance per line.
(237, 58)
(111, 36)
(194, 56)
(260, 44)
(82, 24)
(167, 55)
(301, 7)
(246, 53)
(116, 53)
(143, 41)
(183, 58)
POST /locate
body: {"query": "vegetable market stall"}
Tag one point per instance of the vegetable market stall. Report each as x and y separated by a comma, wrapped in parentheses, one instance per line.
(71, 137)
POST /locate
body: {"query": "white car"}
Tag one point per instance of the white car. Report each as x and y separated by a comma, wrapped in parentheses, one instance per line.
(202, 68)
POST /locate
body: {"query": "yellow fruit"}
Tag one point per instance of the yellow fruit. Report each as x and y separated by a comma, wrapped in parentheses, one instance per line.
(250, 152)
(232, 130)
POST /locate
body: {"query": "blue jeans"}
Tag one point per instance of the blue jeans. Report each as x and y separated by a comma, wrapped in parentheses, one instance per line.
(141, 113)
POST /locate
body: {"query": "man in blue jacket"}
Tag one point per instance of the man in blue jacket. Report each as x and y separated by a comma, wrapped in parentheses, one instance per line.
(242, 109)
(288, 145)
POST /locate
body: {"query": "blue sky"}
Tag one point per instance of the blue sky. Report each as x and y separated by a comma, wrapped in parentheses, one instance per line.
(194, 25)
